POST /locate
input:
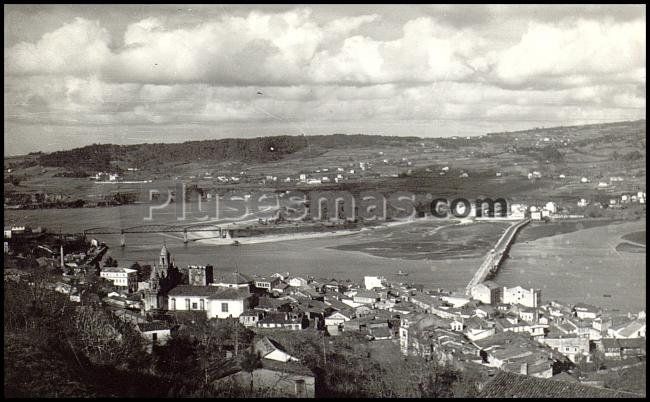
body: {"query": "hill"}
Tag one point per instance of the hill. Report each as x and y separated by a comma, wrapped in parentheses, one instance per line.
(99, 157)
(495, 163)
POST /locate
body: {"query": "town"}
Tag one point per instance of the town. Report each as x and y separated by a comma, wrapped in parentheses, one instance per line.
(325, 201)
(494, 330)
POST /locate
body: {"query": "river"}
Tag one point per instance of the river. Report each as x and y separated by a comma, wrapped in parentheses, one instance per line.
(577, 266)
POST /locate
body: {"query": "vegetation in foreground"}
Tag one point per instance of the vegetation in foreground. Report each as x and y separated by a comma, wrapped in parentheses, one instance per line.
(56, 348)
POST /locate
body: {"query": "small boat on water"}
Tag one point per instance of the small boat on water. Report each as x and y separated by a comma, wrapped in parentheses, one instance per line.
(401, 273)
(234, 243)
(607, 295)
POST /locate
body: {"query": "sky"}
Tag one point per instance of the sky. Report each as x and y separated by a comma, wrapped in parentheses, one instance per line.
(75, 75)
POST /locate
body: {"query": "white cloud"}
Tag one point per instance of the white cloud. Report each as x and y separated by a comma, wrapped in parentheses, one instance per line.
(298, 68)
(583, 51)
(81, 46)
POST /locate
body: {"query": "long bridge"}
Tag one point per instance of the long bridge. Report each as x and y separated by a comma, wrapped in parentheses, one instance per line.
(497, 255)
(185, 229)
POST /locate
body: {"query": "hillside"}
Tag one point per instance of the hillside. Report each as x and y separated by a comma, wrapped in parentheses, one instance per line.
(495, 162)
(98, 157)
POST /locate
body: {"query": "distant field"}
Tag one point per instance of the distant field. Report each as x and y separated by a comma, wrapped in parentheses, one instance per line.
(636, 237)
(539, 230)
(442, 243)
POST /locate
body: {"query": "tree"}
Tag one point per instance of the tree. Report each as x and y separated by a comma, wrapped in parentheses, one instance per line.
(250, 362)
(484, 356)
(144, 271)
(110, 262)
(14, 180)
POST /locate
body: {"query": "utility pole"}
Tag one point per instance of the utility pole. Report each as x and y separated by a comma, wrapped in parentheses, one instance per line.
(324, 356)
(61, 249)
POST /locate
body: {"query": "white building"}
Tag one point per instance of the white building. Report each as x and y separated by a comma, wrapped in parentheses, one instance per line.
(487, 292)
(372, 282)
(551, 207)
(216, 302)
(297, 282)
(121, 277)
(517, 211)
(337, 318)
(157, 332)
(270, 349)
(519, 295)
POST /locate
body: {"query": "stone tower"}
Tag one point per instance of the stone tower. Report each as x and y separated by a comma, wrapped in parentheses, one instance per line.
(165, 259)
(163, 278)
(200, 275)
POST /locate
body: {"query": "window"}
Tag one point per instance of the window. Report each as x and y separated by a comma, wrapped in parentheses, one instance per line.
(187, 304)
(224, 307)
(195, 306)
(202, 304)
(173, 304)
(154, 337)
(300, 387)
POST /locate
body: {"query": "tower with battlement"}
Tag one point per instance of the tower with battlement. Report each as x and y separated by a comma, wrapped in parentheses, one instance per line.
(200, 275)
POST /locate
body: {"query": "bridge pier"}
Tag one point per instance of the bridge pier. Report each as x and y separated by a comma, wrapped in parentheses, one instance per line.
(185, 235)
(122, 239)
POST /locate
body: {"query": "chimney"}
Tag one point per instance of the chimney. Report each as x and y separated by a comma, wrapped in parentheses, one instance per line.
(62, 260)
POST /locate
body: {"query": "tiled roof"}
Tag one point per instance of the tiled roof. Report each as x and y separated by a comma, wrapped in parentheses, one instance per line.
(267, 345)
(118, 269)
(564, 376)
(212, 292)
(380, 332)
(236, 278)
(367, 293)
(153, 326)
(231, 294)
(510, 385)
(288, 367)
(279, 318)
(586, 307)
(190, 290)
(609, 343)
(631, 328)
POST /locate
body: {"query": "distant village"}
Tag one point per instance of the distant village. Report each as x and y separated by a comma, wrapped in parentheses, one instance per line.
(495, 328)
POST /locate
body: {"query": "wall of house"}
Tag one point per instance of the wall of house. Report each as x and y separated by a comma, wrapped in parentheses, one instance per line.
(180, 303)
(248, 321)
(235, 308)
(528, 298)
(276, 383)
(481, 293)
(570, 347)
(586, 314)
(162, 336)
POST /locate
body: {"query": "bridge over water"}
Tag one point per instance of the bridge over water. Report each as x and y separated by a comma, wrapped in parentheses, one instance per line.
(497, 255)
(158, 228)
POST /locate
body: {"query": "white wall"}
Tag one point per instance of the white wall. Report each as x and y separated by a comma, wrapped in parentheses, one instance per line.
(372, 282)
(181, 303)
(520, 295)
(235, 308)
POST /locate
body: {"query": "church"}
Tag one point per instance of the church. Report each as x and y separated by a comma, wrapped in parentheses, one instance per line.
(164, 276)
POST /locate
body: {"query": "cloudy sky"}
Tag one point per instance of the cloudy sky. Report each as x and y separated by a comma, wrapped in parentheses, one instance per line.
(76, 75)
